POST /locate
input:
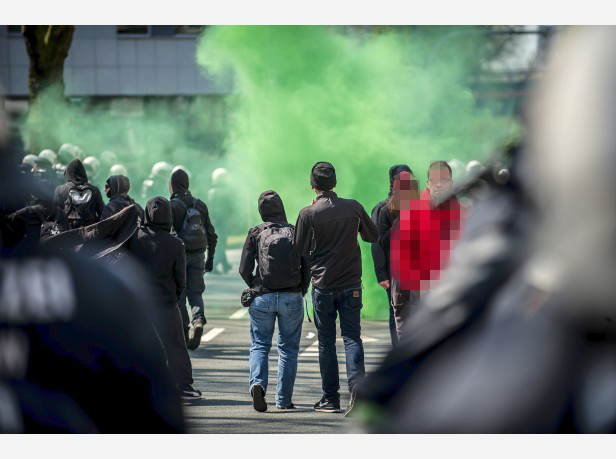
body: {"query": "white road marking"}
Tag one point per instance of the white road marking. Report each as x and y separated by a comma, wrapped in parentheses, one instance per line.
(240, 313)
(213, 333)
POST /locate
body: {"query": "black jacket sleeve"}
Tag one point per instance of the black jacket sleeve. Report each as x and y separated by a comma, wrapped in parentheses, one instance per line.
(98, 202)
(176, 212)
(179, 270)
(379, 255)
(367, 228)
(107, 212)
(305, 275)
(386, 223)
(248, 259)
(303, 235)
(212, 237)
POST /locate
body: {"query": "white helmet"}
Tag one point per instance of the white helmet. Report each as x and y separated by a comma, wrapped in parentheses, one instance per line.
(118, 169)
(49, 155)
(473, 167)
(218, 175)
(109, 157)
(92, 164)
(161, 169)
(30, 159)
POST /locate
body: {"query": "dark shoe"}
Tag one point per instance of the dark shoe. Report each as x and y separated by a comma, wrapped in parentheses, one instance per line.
(190, 393)
(194, 335)
(326, 406)
(351, 405)
(289, 407)
(258, 398)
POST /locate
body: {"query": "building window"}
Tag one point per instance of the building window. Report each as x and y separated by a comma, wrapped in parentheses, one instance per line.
(142, 30)
(189, 29)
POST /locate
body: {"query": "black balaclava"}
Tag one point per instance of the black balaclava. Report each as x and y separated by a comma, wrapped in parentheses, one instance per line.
(158, 213)
(76, 173)
(323, 176)
(271, 207)
(179, 182)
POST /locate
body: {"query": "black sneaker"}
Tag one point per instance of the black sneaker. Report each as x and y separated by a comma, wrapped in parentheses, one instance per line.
(351, 405)
(326, 406)
(288, 407)
(190, 393)
(194, 335)
(258, 398)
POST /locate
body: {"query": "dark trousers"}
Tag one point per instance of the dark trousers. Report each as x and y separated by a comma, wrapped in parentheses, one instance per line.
(169, 327)
(402, 302)
(347, 304)
(195, 286)
(392, 319)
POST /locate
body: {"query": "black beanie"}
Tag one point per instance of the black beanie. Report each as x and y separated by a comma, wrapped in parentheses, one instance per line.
(323, 176)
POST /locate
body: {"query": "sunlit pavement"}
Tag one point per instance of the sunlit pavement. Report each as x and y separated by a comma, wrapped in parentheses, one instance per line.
(220, 370)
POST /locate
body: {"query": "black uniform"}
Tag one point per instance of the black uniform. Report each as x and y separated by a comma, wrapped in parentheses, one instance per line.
(76, 176)
(119, 186)
(196, 263)
(162, 255)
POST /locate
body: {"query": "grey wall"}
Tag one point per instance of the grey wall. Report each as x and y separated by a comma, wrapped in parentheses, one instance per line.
(101, 63)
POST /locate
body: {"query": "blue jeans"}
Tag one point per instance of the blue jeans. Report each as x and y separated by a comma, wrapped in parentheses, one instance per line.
(288, 308)
(347, 303)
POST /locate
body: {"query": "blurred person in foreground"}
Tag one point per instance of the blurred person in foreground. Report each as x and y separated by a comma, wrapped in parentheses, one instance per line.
(78, 352)
(520, 335)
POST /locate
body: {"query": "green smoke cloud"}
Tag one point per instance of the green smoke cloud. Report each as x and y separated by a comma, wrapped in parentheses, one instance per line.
(362, 101)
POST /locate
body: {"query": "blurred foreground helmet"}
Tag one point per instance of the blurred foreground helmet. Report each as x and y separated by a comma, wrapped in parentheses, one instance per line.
(118, 169)
(218, 175)
(458, 169)
(92, 164)
(161, 170)
(474, 167)
(49, 155)
(30, 159)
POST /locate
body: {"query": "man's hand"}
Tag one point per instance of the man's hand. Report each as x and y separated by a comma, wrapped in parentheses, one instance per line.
(209, 264)
(384, 284)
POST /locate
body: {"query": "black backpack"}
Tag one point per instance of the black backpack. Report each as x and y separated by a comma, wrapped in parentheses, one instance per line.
(193, 231)
(279, 264)
(80, 207)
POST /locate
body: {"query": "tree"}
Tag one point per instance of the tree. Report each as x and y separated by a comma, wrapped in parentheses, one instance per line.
(48, 47)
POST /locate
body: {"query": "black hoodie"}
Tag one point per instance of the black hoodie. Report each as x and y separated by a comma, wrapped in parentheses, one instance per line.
(161, 253)
(76, 176)
(380, 256)
(119, 185)
(181, 200)
(271, 210)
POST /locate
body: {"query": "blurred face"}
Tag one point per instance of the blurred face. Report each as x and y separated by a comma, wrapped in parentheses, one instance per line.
(439, 182)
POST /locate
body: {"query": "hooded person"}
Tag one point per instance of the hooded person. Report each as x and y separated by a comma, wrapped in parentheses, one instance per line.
(82, 202)
(116, 189)
(163, 257)
(191, 220)
(279, 283)
(41, 220)
(380, 255)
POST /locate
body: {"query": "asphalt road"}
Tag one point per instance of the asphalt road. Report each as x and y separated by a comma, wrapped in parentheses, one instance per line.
(221, 371)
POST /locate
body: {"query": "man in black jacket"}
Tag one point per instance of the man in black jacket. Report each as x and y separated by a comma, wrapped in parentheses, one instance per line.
(116, 189)
(196, 264)
(82, 202)
(380, 255)
(163, 257)
(327, 232)
(279, 291)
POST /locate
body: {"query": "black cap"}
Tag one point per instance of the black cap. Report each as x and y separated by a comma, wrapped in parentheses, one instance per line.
(323, 176)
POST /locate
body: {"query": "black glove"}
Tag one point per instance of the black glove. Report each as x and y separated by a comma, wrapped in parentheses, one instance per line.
(209, 264)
